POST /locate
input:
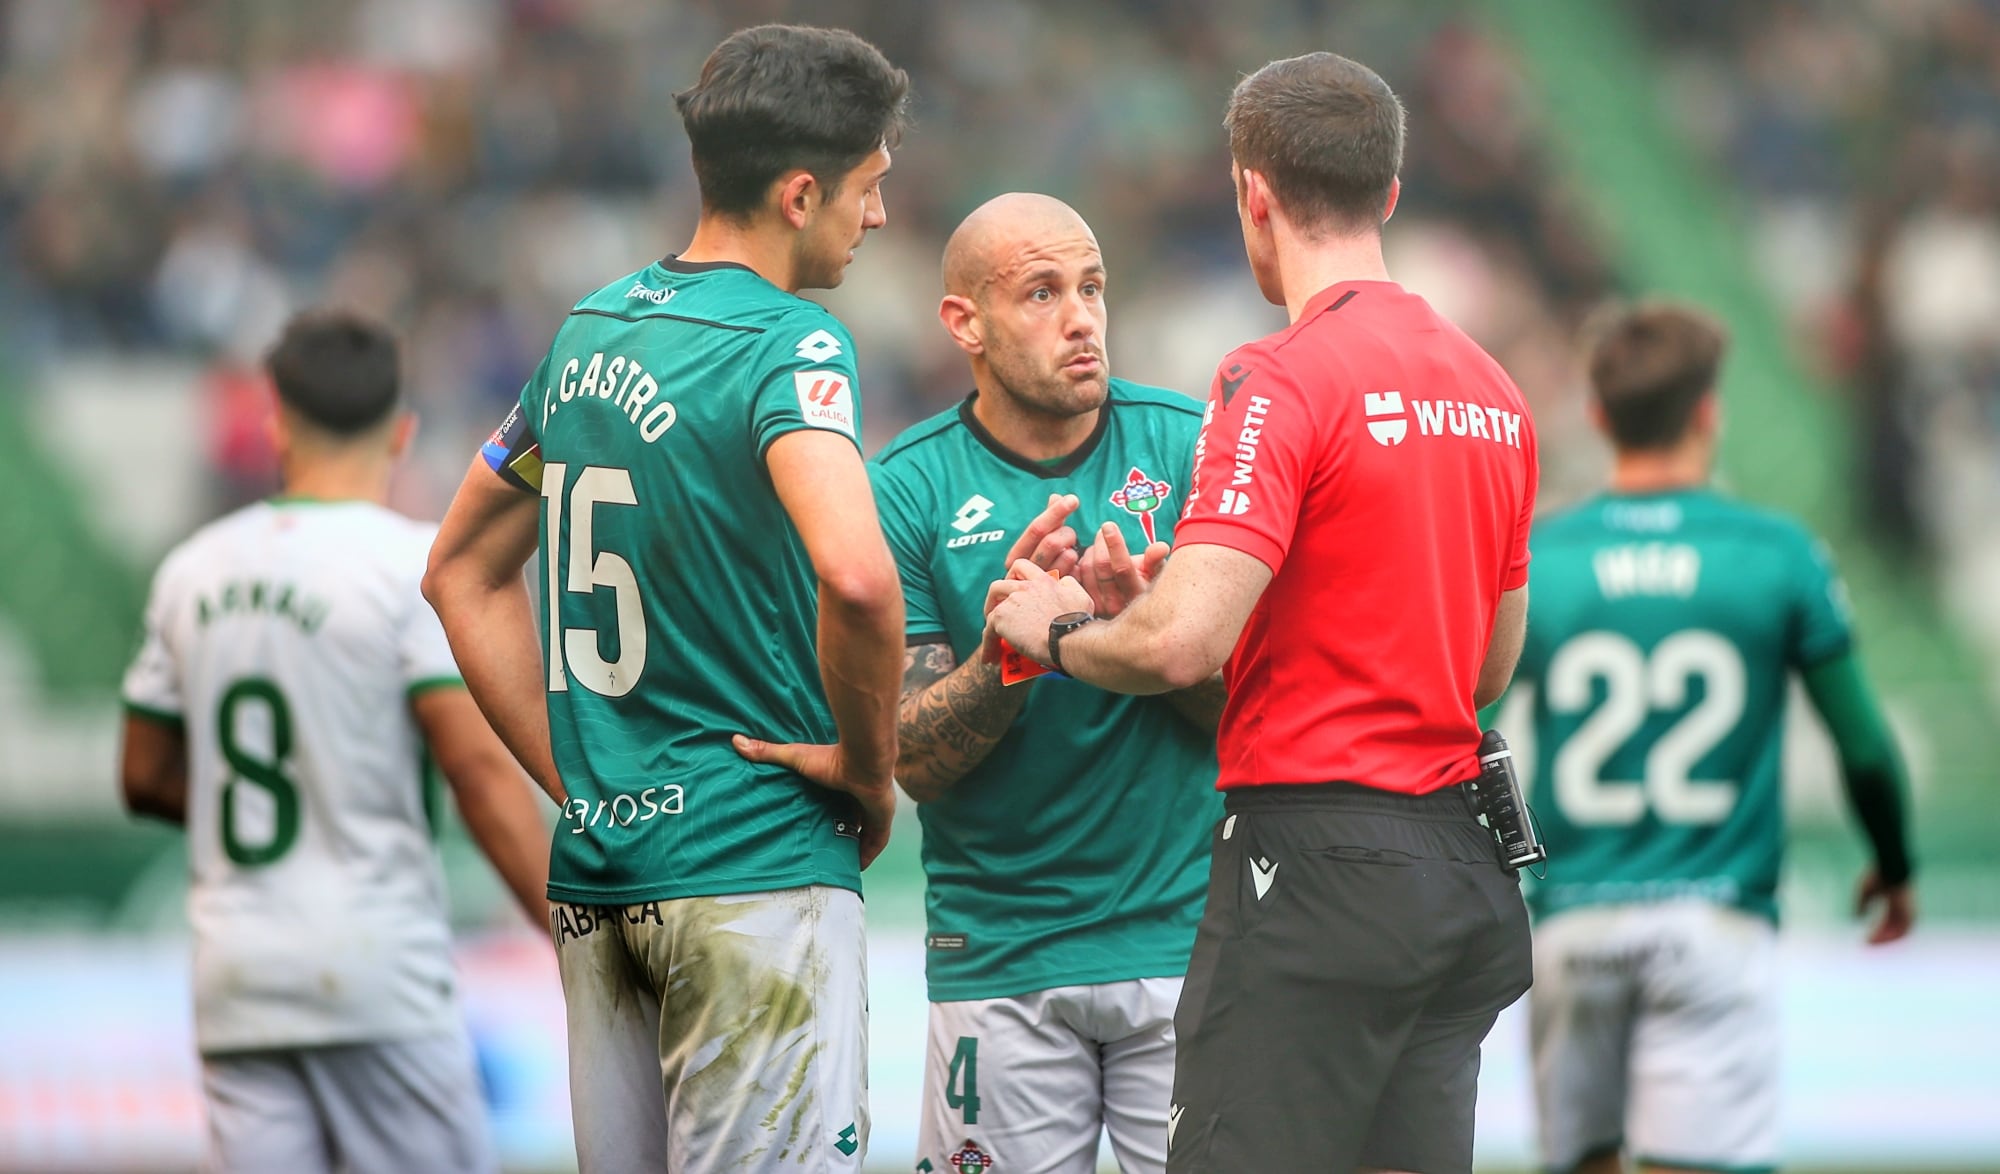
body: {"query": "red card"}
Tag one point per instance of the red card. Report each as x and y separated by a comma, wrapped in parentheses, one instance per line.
(1015, 668)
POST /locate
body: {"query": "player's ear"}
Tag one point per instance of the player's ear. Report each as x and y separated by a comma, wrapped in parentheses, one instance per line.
(1395, 193)
(1254, 195)
(1708, 414)
(798, 195)
(961, 321)
(1594, 412)
(278, 431)
(402, 433)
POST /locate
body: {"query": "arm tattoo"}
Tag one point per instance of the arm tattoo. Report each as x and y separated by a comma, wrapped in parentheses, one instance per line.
(1201, 705)
(952, 715)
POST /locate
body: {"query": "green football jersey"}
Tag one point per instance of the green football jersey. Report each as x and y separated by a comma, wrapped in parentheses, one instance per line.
(1077, 852)
(679, 606)
(1661, 629)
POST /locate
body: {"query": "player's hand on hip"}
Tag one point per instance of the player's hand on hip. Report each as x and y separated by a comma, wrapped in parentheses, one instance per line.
(826, 765)
(1049, 542)
(1112, 576)
(1029, 599)
(1899, 908)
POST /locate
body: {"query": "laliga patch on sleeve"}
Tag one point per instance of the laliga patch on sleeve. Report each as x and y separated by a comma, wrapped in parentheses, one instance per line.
(826, 400)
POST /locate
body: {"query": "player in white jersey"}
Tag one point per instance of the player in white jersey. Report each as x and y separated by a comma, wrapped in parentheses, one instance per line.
(290, 684)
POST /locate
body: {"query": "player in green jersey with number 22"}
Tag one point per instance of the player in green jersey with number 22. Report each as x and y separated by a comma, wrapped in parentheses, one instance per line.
(1663, 623)
(714, 585)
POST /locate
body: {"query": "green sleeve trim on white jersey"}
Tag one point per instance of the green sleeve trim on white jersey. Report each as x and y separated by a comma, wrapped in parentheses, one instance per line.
(419, 687)
(162, 716)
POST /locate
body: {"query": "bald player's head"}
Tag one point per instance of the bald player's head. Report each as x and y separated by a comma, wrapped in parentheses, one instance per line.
(1024, 299)
(991, 238)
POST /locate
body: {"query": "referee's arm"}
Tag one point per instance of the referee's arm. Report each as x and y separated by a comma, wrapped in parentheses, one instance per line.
(1503, 651)
(1175, 636)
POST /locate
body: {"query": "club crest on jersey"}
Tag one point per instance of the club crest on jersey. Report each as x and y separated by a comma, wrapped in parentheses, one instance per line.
(1141, 495)
(969, 1159)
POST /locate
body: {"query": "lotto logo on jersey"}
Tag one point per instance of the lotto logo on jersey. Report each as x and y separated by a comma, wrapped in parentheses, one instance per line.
(817, 347)
(976, 509)
(826, 400)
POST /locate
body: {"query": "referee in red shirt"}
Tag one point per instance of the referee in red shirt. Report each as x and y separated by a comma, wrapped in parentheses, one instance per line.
(1354, 555)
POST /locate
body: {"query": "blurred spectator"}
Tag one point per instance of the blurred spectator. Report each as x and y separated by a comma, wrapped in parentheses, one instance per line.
(467, 168)
(1868, 137)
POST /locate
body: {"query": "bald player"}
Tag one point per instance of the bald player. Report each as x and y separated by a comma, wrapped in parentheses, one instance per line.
(1065, 828)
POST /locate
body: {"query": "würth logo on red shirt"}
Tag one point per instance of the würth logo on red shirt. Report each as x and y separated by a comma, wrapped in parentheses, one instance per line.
(1389, 419)
(1390, 404)
(1248, 438)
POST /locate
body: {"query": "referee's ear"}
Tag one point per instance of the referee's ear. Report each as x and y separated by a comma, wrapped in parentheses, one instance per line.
(961, 320)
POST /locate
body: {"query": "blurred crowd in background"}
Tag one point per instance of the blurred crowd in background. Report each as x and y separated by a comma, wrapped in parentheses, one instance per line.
(1865, 136)
(178, 176)
(467, 169)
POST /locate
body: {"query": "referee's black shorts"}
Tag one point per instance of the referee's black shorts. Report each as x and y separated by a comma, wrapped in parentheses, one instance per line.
(1356, 949)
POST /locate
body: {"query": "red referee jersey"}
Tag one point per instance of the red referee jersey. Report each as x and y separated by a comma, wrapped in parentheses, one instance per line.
(1383, 467)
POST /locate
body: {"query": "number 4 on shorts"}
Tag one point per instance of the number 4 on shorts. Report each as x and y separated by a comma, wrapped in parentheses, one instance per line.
(961, 1087)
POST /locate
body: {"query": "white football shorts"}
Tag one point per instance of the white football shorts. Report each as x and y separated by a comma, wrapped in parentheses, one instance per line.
(717, 1033)
(1655, 1030)
(1031, 1082)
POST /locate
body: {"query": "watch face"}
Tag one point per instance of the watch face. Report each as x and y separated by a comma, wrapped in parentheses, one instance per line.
(1070, 620)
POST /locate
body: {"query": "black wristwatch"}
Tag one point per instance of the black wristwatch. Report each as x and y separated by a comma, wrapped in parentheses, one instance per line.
(1061, 626)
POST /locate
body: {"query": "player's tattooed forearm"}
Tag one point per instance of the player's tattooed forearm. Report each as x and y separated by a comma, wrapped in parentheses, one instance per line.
(951, 718)
(924, 664)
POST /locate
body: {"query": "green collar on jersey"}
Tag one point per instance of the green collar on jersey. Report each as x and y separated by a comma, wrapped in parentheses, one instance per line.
(1047, 470)
(673, 264)
(301, 499)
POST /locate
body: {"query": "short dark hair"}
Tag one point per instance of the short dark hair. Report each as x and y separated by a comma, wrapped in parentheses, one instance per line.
(1326, 133)
(1650, 366)
(778, 98)
(337, 370)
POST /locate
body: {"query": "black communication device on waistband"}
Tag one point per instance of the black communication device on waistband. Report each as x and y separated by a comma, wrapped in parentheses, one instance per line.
(1496, 796)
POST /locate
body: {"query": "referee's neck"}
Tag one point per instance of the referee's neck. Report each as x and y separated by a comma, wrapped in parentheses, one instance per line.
(1307, 266)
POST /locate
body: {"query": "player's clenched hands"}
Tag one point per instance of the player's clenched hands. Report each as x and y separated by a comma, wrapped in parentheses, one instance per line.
(1112, 576)
(827, 766)
(1048, 543)
(1899, 908)
(1029, 598)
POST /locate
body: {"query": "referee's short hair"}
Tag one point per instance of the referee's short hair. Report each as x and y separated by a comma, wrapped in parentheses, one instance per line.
(1326, 133)
(336, 370)
(1649, 366)
(778, 98)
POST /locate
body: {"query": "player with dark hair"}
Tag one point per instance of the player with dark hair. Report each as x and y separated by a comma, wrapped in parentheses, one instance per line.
(712, 676)
(290, 685)
(1062, 902)
(1355, 550)
(1666, 622)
